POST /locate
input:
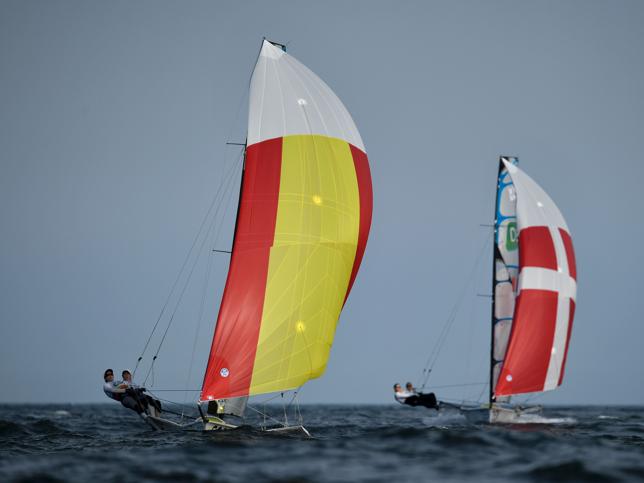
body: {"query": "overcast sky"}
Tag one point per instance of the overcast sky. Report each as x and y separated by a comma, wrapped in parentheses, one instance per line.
(113, 123)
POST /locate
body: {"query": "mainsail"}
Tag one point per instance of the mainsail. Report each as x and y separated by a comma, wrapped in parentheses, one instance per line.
(545, 292)
(302, 227)
(505, 269)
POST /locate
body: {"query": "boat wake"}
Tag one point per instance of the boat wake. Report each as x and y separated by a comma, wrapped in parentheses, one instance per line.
(538, 419)
(444, 419)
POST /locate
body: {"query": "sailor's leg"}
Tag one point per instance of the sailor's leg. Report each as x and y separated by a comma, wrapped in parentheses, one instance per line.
(139, 397)
(131, 403)
(427, 400)
(154, 402)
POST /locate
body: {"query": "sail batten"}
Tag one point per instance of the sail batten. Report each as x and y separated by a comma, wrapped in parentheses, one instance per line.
(303, 224)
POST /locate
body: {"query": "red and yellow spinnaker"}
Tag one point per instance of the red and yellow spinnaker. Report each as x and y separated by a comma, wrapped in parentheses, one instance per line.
(302, 228)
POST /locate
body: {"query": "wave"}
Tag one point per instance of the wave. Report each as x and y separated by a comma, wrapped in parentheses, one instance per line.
(41, 427)
(574, 470)
(445, 420)
(349, 443)
(11, 428)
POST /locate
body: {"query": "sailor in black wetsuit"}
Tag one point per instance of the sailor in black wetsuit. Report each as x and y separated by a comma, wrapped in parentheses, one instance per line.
(137, 393)
(412, 398)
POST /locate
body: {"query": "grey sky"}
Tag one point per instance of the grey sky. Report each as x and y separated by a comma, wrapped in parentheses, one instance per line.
(113, 119)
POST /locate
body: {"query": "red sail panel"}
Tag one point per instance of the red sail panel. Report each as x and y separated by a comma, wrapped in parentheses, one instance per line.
(570, 252)
(365, 189)
(528, 356)
(543, 315)
(570, 319)
(535, 319)
(536, 248)
(235, 340)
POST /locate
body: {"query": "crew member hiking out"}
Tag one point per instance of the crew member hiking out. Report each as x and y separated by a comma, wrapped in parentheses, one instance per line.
(137, 391)
(130, 397)
(410, 397)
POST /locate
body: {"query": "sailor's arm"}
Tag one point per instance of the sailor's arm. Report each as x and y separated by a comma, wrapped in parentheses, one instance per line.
(120, 389)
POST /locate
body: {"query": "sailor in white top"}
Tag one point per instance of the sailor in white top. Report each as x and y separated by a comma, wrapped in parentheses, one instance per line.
(110, 388)
(137, 392)
(410, 397)
(127, 379)
(400, 395)
(120, 392)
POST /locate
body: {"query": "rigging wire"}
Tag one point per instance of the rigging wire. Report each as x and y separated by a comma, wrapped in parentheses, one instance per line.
(296, 409)
(183, 407)
(433, 356)
(176, 390)
(483, 389)
(265, 415)
(206, 284)
(285, 407)
(459, 401)
(471, 318)
(228, 179)
(467, 384)
(243, 98)
(181, 271)
(208, 272)
(534, 397)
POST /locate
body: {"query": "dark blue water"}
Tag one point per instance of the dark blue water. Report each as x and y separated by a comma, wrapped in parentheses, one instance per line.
(350, 443)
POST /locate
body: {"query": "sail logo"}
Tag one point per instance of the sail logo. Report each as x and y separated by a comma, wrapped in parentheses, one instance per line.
(224, 372)
(511, 237)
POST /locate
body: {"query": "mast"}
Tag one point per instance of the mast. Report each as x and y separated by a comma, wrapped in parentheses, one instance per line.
(241, 183)
(241, 187)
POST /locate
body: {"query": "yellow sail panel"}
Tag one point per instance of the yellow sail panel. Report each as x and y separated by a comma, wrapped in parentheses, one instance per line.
(310, 262)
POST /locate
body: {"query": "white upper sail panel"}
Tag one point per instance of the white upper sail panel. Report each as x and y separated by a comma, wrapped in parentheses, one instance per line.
(534, 206)
(286, 98)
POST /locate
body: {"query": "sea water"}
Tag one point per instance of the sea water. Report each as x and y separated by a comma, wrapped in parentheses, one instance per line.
(105, 442)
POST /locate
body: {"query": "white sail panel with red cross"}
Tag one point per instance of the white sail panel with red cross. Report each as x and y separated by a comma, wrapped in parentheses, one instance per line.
(546, 293)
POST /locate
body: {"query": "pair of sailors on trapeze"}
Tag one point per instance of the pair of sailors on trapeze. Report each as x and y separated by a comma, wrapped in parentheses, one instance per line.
(127, 393)
(411, 397)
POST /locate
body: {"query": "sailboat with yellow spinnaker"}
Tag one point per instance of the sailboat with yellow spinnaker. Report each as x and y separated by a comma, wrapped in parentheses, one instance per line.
(301, 232)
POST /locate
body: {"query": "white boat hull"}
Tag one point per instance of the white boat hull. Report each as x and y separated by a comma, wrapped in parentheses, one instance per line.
(511, 415)
(500, 414)
(218, 424)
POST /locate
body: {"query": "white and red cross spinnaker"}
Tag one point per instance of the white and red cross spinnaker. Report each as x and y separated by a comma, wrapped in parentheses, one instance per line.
(546, 293)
